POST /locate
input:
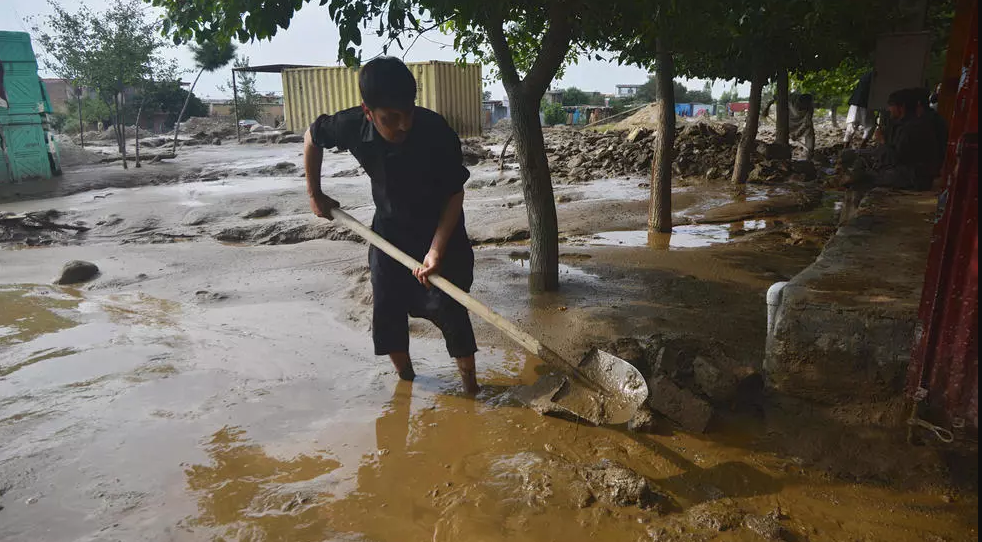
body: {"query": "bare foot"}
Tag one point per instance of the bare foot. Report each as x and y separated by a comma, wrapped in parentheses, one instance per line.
(468, 375)
(403, 365)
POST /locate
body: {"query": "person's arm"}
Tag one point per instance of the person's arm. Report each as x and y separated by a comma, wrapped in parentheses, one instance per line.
(451, 180)
(317, 136)
(448, 222)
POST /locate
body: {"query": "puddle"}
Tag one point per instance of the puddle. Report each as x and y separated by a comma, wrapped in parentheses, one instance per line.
(63, 336)
(564, 269)
(688, 236)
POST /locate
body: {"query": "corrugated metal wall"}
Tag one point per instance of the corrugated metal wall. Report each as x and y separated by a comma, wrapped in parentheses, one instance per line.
(944, 372)
(453, 90)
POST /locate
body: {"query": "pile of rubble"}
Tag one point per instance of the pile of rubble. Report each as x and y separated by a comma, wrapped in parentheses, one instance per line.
(704, 149)
(207, 128)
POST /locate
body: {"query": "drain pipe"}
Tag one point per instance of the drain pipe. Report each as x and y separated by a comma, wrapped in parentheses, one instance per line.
(773, 302)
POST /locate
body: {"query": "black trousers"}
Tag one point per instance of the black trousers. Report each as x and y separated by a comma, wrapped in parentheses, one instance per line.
(397, 295)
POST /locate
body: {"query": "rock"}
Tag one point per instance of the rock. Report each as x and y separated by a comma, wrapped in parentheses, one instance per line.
(190, 143)
(291, 138)
(617, 485)
(679, 405)
(259, 128)
(767, 527)
(260, 212)
(77, 271)
(216, 141)
(717, 516)
(642, 422)
(719, 384)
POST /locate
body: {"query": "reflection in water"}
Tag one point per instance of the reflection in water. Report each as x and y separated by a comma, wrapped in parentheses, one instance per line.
(30, 311)
(246, 494)
(449, 468)
(687, 236)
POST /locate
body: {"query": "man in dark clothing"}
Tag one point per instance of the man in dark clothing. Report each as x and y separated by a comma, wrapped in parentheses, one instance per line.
(908, 156)
(414, 161)
(859, 112)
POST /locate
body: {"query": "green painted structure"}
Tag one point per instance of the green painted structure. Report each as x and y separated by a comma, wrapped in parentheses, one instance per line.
(27, 146)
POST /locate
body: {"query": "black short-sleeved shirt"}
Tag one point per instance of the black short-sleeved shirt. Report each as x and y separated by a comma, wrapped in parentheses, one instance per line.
(411, 182)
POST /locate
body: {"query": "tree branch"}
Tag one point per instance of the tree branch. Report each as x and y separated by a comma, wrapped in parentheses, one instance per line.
(502, 53)
(555, 46)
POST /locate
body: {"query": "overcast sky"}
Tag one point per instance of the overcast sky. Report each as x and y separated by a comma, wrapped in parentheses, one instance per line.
(313, 39)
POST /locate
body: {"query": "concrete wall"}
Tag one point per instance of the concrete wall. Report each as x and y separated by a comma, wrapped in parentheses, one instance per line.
(846, 325)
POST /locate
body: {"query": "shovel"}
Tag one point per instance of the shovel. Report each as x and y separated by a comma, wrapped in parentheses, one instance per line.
(609, 389)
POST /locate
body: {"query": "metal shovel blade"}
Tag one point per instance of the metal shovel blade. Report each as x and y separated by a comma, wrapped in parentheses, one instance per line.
(622, 391)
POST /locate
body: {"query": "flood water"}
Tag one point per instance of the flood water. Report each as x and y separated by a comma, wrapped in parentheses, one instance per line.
(130, 417)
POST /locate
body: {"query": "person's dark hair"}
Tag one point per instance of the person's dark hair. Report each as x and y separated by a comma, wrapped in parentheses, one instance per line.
(921, 96)
(906, 97)
(387, 82)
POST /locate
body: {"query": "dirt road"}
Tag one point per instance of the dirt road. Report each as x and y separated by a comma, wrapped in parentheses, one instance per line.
(216, 381)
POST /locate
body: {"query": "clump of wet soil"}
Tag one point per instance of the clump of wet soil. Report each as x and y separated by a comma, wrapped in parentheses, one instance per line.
(285, 232)
(703, 149)
(38, 228)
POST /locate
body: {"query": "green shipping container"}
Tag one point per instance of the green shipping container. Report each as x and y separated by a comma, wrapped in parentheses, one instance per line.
(26, 151)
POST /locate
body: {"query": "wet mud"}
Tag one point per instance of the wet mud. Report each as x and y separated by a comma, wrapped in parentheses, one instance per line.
(225, 389)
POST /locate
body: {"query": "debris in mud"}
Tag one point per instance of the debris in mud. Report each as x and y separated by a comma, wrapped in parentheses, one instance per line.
(205, 296)
(290, 138)
(197, 217)
(642, 422)
(261, 212)
(37, 228)
(679, 405)
(704, 149)
(353, 172)
(716, 516)
(281, 168)
(473, 151)
(285, 232)
(768, 526)
(617, 485)
(77, 271)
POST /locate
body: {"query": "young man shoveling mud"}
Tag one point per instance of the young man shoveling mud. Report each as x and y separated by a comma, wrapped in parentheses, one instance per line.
(414, 161)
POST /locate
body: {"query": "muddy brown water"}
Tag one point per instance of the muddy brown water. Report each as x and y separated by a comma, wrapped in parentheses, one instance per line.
(132, 445)
(201, 391)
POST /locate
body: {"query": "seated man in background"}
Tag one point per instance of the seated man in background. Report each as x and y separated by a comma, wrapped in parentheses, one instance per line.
(908, 157)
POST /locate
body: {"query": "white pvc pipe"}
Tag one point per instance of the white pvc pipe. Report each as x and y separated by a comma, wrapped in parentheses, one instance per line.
(773, 302)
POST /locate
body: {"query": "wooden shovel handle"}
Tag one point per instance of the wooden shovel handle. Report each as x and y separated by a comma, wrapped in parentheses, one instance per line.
(527, 341)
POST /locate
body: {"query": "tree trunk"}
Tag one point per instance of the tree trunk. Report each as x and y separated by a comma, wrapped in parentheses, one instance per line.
(537, 189)
(177, 126)
(81, 129)
(660, 206)
(139, 113)
(741, 167)
(121, 117)
(504, 149)
(835, 115)
(782, 132)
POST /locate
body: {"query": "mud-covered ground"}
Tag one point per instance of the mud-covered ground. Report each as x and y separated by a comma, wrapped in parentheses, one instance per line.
(216, 380)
